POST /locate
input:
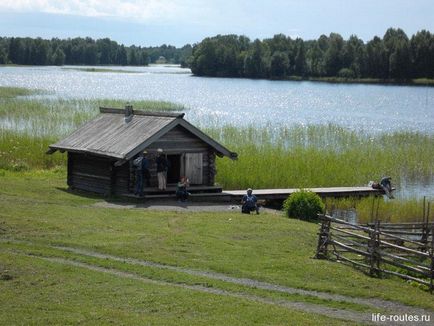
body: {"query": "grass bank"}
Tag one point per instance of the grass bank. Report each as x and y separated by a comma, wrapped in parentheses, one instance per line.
(341, 80)
(38, 215)
(122, 71)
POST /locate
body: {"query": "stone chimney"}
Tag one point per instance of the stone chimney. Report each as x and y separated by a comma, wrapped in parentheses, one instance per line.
(128, 113)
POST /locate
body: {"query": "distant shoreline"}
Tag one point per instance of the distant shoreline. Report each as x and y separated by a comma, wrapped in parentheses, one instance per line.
(340, 80)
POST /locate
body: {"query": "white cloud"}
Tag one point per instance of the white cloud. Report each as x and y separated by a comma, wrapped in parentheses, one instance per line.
(136, 10)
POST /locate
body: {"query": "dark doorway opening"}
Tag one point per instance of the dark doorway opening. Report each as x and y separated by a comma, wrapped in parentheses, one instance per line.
(174, 172)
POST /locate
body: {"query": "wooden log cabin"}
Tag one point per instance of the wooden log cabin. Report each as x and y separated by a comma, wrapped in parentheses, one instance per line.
(100, 153)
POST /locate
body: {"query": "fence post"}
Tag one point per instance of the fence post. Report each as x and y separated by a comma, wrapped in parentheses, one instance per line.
(373, 249)
(323, 238)
(431, 286)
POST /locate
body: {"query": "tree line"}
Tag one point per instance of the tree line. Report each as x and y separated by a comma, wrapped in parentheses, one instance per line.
(395, 56)
(85, 51)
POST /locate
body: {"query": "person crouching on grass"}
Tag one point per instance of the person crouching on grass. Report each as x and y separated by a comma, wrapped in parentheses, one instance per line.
(249, 203)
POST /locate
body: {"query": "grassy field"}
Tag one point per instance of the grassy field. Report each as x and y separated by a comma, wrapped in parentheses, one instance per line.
(44, 283)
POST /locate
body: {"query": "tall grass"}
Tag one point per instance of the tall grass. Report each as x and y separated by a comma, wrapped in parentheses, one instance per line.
(29, 124)
(319, 156)
(410, 210)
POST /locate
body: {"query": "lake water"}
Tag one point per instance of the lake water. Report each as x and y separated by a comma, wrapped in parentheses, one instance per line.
(241, 102)
(211, 101)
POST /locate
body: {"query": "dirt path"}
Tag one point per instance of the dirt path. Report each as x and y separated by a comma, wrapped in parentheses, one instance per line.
(173, 205)
(301, 306)
(385, 305)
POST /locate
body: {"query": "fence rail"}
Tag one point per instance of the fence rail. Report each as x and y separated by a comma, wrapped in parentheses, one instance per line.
(375, 248)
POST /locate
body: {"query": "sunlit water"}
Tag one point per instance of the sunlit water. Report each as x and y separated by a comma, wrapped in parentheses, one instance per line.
(219, 101)
(212, 101)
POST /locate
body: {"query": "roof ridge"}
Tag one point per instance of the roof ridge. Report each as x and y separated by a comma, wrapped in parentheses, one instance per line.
(144, 113)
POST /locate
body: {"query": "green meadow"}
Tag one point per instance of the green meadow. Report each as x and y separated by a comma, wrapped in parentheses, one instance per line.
(69, 258)
(65, 258)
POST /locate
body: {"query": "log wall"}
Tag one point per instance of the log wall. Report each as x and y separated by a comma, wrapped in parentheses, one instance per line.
(90, 173)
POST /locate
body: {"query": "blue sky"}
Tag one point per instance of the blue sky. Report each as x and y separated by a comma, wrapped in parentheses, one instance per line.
(177, 22)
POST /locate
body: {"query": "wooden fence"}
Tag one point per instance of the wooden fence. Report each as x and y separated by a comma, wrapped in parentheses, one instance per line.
(380, 248)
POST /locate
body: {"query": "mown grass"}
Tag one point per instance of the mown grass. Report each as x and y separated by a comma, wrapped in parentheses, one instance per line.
(37, 209)
(45, 293)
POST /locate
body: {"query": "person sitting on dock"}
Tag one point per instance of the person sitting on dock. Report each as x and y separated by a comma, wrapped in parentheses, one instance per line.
(386, 185)
(249, 203)
(181, 189)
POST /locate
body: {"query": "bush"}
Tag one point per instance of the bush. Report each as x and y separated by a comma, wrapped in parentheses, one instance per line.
(346, 73)
(303, 204)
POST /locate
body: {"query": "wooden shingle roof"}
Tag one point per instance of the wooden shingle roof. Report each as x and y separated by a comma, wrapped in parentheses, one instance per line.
(111, 135)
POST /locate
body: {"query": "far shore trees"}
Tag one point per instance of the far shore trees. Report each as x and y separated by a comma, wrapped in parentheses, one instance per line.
(393, 57)
(85, 51)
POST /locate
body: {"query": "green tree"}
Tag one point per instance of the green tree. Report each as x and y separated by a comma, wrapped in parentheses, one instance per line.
(300, 58)
(422, 50)
(254, 65)
(3, 56)
(333, 55)
(58, 57)
(279, 65)
(16, 50)
(315, 60)
(121, 56)
(40, 52)
(354, 56)
(398, 52)
(377, 62)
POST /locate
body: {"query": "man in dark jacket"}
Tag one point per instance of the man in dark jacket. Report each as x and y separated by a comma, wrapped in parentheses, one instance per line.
(141, 166)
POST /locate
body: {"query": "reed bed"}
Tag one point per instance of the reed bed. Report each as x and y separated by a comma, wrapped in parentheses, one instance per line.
(29, 123)
(369, 209)
(321, 156)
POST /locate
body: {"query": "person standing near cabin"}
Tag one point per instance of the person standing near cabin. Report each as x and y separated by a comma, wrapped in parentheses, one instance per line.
(249, 203)
(146, 173)
(142, 172)
(162, 167)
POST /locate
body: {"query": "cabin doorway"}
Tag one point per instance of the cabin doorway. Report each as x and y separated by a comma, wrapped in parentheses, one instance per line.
(174, 172)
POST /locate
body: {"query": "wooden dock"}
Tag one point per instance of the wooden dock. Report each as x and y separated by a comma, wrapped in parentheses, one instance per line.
(268, 195)
(278, 194)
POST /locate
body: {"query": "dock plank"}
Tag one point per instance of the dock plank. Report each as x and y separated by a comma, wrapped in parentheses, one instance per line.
(329, 191)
